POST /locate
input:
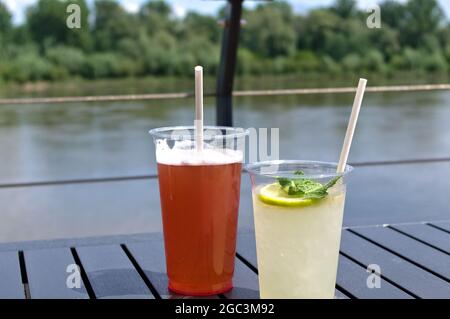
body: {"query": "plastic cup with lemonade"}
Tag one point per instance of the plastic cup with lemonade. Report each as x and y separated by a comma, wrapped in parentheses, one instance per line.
(298, 210)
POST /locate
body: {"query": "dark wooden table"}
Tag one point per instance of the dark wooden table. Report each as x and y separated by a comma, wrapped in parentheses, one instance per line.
(414, 260)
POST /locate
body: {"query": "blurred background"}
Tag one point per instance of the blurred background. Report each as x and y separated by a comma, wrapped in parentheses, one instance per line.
(134, 47)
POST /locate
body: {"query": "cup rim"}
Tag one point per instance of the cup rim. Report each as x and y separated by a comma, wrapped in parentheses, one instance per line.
(253, 168)
(161, 132)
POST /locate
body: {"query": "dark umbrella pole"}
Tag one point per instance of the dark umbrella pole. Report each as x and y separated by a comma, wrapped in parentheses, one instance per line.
(230, 41)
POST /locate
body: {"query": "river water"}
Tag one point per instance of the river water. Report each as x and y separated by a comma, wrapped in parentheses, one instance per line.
(85, 140)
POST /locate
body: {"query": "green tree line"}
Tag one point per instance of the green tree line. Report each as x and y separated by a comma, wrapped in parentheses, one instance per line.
(111, 43)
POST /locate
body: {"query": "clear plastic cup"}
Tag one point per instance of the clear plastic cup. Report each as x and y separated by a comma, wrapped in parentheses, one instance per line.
(199, 202)
(297, 241)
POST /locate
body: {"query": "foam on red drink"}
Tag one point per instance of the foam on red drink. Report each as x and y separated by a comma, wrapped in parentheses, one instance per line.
(199, 200)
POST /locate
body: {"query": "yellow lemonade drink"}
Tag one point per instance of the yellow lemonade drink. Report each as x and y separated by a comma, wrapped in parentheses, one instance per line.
(298, 224)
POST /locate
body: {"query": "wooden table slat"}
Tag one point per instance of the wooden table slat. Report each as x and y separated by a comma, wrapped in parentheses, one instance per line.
(246, 247)
(340, 295)
(426, 256)
(442, 225)
(11, 286)
(430, 235)
(47, 274)
(245, 283)
(353, 278)
(414, 279)
(150, 257)
(111, 274)
(414, 261)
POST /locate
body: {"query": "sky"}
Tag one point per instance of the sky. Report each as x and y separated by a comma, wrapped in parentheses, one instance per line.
(180, 7)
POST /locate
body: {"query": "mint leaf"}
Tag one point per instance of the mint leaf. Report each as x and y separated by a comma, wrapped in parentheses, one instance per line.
(290, 186)
(322, 191)
(283, 181)
(306, 188)
(307, 185)
(318, 194)
(332, 182)
(299, 172)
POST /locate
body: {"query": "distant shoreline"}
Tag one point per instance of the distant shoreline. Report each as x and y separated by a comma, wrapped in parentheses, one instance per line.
(171, 84)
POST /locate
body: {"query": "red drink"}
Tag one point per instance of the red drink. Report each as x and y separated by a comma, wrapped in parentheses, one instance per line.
(200, 211)
(199, 189)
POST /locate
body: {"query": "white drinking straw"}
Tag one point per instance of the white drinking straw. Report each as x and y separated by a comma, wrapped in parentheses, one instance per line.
(198, 123)
(351, 125)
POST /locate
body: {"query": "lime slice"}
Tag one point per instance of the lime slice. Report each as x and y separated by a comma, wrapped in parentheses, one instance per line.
(272, 194)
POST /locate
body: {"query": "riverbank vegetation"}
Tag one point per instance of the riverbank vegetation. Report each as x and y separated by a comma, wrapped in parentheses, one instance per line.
(114, 43)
